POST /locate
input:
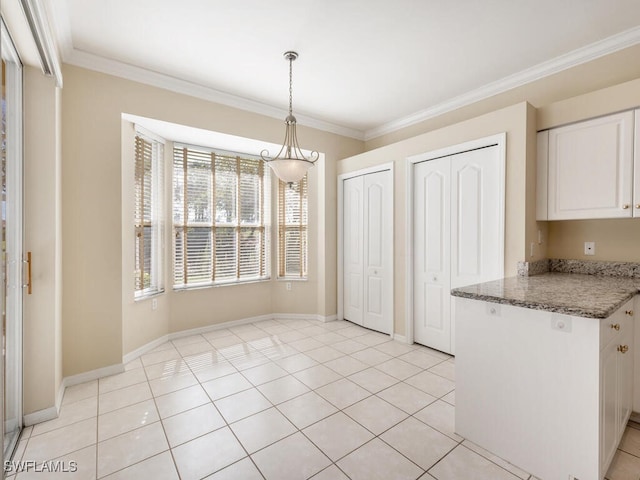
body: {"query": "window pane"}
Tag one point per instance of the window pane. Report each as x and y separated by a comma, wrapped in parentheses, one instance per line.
(178, 257)
(199, 188)
(292, 226)
(235, 246)
(250, 192)
(226, 253)
(226, 189)
(250, 249)
(148, 213)
(198, 254)
(178, 186)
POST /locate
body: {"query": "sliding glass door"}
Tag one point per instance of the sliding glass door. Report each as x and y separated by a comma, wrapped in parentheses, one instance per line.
(11, 243)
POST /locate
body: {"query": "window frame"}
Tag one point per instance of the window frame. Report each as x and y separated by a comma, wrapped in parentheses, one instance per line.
(263, 225)
(302, 226)
(156, 217)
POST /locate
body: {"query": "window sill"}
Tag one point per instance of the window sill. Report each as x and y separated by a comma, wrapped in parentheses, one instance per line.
(292, 279)
(185, 288)
(146, 296)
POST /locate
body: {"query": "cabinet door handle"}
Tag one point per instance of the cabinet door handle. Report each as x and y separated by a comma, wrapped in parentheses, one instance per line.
(615, 326)
(637, 205)
(629, 312)
(623, 348)
(625, 206)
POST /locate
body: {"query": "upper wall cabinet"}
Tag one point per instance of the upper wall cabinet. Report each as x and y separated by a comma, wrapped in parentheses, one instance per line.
(586, 170)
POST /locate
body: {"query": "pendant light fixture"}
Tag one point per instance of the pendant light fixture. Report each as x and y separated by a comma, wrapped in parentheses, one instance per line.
(290, 164)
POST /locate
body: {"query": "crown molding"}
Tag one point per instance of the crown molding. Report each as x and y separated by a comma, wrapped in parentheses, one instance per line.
(609, 45)
(574, 58)
(108, 66)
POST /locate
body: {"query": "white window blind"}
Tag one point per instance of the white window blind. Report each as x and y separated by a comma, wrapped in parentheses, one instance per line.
(292, 229)
(220, 217)
(148, 213)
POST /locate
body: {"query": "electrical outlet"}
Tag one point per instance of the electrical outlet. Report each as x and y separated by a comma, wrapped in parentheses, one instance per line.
(562, 323)
(539, 237)
(589, 248)
(154, 303)
(288, 286)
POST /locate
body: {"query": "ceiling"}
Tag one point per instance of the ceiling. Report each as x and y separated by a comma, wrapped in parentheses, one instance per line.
(366, 67)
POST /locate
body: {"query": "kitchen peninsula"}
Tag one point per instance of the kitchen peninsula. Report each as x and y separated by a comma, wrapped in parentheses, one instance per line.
(544, 368)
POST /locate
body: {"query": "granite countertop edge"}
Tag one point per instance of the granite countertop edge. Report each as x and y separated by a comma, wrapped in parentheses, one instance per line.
(556, 292)
(575, 311)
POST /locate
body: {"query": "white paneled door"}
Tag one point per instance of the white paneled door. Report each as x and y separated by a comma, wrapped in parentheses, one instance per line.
(368, 251)
(458, 229)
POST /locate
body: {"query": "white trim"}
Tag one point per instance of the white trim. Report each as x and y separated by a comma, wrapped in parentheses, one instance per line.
(92, 375)
(138, 352)
(217, 326)
(327, 319)
(107, 66)
(52, 412)
(42, 36)
(500, 141)
(148, 134)
(14, 298)
(341, 178)
(147, 347)
(399, 338)
(40, 416)
(571, 59)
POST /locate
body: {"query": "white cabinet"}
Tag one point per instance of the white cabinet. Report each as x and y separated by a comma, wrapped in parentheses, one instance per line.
(616, 381)
(560, 385)
(368, 250)
(586, 170)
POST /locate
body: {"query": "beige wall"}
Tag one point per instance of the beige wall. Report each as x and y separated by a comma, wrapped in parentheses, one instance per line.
(516, 121)
(615, 239)
(42, 358)
(96, 300)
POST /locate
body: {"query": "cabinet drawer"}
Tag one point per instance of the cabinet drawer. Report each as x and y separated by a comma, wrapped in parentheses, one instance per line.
(616, 324)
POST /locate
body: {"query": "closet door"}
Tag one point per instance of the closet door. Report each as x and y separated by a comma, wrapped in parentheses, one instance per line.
(353, 251)
(458, 236)
(378, 253)
(431, 281)
(477, 217)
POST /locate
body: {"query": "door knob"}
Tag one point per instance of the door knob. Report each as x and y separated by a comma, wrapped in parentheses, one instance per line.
(637, 205)
(625, 206)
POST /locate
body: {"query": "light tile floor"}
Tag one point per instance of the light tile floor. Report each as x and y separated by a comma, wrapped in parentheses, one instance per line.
(280, 399)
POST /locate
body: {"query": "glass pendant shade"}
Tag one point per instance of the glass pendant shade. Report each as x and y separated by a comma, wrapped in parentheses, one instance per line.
(290, 170)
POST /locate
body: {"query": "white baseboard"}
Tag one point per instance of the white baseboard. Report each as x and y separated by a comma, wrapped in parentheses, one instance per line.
(92, 375)
(218, 326)
(294, 316)
(146, 348)
(399, 338)
(40, 416)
